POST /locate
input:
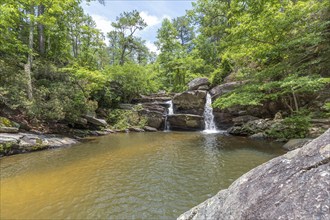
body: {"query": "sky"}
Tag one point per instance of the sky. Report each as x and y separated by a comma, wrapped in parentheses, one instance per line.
(152, 11)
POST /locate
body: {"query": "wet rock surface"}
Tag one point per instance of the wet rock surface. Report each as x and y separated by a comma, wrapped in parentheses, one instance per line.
(292, 186)
(190, 102)
(186, 122)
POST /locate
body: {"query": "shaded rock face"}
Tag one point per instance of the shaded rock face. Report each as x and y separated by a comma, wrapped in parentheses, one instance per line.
(186, 122)
(202, 83)
(222, 119)
(155, 119)
(190, 102)
(292, 186)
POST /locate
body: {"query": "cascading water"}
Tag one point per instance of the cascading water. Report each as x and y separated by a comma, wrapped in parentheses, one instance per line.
(210, 126)
(169, 112)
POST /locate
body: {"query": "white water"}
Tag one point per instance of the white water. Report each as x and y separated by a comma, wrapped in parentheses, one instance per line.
(170, 112)
(170, 108)
(210, 126)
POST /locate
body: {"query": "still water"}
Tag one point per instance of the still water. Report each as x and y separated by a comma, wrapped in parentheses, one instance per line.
(126, 176)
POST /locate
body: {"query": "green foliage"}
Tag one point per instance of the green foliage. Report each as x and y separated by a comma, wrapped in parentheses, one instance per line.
(12, 84)
(5, 122)
(123, 119)
(279, 48)
(132, 80)
(326, 107)
(5, 148)
(295, 126)
(124, 45)
(220, 73)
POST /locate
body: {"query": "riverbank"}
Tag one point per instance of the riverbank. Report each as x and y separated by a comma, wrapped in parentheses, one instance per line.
(24, 142)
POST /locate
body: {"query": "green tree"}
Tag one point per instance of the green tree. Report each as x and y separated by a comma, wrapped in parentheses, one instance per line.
(123, 39)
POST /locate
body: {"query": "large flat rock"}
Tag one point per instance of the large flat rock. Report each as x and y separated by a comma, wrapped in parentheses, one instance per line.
(26, 142)
(292, 186)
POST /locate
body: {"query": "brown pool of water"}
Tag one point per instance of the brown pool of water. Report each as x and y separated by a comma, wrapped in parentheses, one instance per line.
(126, 176)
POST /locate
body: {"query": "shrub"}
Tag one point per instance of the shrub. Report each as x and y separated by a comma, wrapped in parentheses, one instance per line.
(123, 119)
(295, 126)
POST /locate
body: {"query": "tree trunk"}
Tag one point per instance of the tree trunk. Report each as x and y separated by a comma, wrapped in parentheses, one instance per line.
(28, 65)
(41, 30)
(295, 100)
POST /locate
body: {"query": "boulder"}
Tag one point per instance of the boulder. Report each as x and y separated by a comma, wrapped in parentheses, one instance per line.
(186, 122)
(155, 119)
(204, 87)
(219, 90)
(243, 119)
(258, 136)
(190, 102)
(96, 121)
(292, 186)
(198, 82)
(149, 129)
(293, 144)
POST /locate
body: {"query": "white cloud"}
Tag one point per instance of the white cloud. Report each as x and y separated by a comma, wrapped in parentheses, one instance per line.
(152, 20)
(102, 23)
(152, 47)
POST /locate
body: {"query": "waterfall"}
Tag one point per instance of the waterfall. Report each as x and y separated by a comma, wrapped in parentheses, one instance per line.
(210, 126)
(169, 112)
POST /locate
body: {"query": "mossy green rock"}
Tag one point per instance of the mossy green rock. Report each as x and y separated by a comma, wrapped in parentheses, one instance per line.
(8, 126)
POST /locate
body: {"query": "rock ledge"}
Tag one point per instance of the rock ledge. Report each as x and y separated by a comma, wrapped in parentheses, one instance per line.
(292, 186)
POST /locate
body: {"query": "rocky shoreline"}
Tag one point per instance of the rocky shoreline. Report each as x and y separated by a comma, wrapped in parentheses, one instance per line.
(292, 186)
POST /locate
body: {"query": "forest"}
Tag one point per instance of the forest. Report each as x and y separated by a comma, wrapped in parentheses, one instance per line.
(56, 66)
(232, 108)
